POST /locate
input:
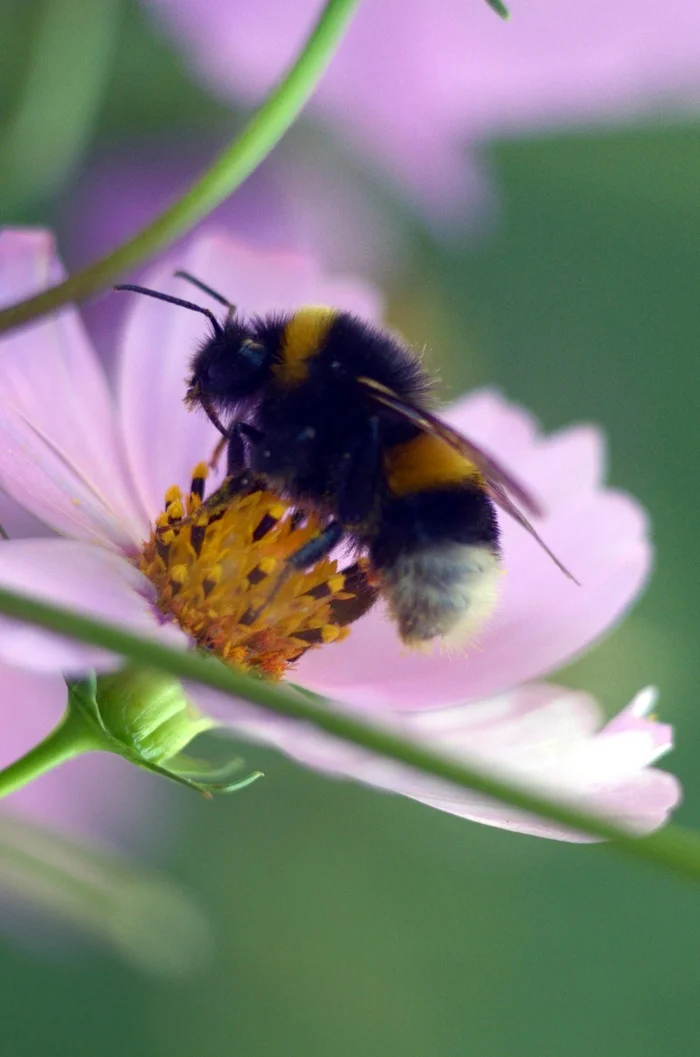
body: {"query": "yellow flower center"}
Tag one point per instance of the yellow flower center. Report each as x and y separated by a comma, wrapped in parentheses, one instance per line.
(220, 570)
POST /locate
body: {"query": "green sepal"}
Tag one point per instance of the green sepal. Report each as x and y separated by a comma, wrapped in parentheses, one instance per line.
(145, 718)
(203, 770)
(148, 712)
(82, 697)
(208, 789)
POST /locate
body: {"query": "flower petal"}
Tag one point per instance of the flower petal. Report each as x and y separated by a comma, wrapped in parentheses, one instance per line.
(80, 576)
(17, 523)
(60, 453)
(164, 440)
(540, 736)
(543, 619)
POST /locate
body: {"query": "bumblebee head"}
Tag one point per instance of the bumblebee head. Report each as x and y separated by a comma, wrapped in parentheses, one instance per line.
(229, 366)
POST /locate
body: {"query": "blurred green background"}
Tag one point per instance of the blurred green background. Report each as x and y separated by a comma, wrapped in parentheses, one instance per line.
(348, 922)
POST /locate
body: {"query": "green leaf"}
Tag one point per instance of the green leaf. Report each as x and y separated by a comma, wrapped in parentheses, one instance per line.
(499, 8)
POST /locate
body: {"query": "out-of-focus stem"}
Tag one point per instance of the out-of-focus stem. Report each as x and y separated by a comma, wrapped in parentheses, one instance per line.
(266, 127)
(64, 84)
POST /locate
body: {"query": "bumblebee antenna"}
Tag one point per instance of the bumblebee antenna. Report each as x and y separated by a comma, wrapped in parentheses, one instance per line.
(218, 330)
(206, 290)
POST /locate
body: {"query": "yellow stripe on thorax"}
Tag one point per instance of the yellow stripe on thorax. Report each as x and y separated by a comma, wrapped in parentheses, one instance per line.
(426, 463)
(301, 339)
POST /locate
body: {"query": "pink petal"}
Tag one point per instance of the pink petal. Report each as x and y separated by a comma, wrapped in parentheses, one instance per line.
(164, 440)
(635, 718)
(80, 576)
(542, 737)
(60, 454)
(543, 619)
(17, 522)
(96, 796)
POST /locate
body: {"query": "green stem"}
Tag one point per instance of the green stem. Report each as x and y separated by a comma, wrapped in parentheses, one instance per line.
(70, 738)
(675, 848)
(229, 170)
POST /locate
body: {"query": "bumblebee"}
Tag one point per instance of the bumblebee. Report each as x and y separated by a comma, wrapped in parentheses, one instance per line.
(336, 415)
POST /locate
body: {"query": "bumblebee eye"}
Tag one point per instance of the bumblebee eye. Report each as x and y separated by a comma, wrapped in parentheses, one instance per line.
(252, 352)
(231, 368)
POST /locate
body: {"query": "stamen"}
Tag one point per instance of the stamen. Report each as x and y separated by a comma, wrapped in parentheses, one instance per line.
(197, 536)
(171, 495)
(175, 511)
(266, 525)
(163, 550)
(199, 476)
(220, 570)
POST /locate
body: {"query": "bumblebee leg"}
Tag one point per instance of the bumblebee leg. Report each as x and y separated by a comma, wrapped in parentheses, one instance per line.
(359, 477)
(318, 547)
(216, 454)
(240, 483)
(238, 477)
(313, 551)
(236, 457)
(235, 452)
(362, 592)
(255, 436)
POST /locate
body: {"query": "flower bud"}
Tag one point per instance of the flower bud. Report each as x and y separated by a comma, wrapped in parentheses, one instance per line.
(145, 716)
(148, 713)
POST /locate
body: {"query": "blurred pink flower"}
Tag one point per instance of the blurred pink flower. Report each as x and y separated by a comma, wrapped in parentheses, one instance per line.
(305, 200)
(416, 83)
(308, 202)
(96, 472)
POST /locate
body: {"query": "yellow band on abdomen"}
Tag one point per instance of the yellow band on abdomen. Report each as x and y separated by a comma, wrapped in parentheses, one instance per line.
(426, 463)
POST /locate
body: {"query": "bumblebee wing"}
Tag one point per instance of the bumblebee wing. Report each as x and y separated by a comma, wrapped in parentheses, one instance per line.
(498, 481)
(501, 497)
(491, 469)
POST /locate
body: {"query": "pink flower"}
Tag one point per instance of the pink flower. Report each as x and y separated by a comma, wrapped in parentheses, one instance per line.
(414, 83)
(96, 471)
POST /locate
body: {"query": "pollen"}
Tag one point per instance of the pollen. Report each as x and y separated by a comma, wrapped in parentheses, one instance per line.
(220, 569)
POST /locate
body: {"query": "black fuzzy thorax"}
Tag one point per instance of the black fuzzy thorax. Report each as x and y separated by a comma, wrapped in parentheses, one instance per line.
(322, 427)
